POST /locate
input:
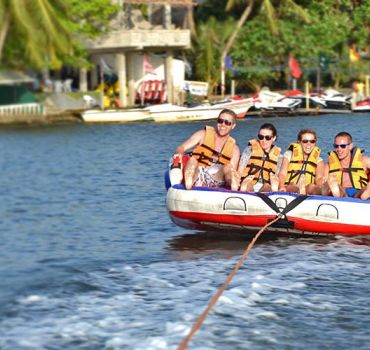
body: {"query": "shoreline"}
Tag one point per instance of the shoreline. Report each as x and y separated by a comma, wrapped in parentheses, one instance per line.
(74, 117)
(40, 119)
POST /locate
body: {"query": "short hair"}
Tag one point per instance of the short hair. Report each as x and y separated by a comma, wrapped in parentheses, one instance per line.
(344, 134)
(269, 126)
(229, 112)
(306, 131)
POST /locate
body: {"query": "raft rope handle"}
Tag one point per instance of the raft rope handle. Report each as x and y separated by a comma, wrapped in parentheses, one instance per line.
(294, 203)
(197, 324)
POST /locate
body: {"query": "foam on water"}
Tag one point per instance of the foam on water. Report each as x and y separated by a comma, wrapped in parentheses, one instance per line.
(157, 303)
(90, 259)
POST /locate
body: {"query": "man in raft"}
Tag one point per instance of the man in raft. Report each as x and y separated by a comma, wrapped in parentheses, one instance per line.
(346, 171)
(215, 156)
(259, 163)
(302, 168)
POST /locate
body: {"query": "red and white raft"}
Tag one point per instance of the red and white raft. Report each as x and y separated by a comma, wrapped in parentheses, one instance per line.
(212, 209)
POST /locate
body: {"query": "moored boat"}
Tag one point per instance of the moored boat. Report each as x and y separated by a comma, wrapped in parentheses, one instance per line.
(165, 113)
(204, 111)
(115, 115)
(363, 106)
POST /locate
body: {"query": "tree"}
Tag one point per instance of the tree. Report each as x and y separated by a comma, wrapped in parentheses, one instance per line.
(47, 33)
(267, 8)
(211, 37)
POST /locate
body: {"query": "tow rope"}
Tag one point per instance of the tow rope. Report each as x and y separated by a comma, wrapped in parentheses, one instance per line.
(197, 324)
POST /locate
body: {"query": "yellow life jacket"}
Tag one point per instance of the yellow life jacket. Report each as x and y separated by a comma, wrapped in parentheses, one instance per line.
(298, 165)
(206, 154)
(261, 163)
(356, 170)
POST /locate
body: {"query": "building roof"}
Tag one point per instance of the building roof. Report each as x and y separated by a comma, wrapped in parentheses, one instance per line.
(10, 77)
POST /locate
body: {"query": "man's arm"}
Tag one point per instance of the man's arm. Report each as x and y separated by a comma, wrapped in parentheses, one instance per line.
(326, 172)
(282, 173)
(235, 158)
(320, 173)
(366, 163)
(234, 161)
(191, 142)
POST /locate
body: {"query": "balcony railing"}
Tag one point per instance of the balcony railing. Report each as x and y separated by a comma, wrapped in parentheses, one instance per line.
(22, 109)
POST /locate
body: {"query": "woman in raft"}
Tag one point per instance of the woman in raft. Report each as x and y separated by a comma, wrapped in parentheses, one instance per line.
(302, 169)
(259, 163)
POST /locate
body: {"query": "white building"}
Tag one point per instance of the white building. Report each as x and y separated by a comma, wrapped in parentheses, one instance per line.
(134, 39)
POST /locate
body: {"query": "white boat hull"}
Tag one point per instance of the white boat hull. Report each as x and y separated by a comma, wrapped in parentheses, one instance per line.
(221, 209)
(115, 116)
(162, 113)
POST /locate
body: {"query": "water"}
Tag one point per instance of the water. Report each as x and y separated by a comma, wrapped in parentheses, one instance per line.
(90, 260)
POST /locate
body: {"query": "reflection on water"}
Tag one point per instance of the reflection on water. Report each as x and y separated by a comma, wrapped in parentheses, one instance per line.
(230, 244)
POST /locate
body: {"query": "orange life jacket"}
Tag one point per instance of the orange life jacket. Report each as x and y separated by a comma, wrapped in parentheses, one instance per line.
(356, 170)
(206, 154)
(261, 163)
(298, 165)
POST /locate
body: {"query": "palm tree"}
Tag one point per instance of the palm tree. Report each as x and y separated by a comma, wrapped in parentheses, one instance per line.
(40, 26)
(267, 9)
(211, 37)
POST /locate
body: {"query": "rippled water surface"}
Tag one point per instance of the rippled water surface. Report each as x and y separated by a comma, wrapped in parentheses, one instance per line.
(90, 260)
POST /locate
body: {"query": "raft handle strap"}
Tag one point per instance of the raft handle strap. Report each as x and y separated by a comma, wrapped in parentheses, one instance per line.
(294, 203)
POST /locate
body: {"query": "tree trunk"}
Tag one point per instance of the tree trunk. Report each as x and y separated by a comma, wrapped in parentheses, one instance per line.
(4, 32)
(231, 40)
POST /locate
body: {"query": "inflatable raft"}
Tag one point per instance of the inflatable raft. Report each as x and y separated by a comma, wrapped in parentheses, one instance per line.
(211, 209)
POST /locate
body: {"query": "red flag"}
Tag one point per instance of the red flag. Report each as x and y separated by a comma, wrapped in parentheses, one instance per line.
(295, 70)
(148, 68)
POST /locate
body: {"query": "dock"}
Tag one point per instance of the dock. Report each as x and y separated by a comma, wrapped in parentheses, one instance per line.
(295, 112)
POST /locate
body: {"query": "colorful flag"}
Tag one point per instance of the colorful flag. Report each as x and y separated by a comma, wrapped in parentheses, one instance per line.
(148, 68)
(229, 65)
(295, 70)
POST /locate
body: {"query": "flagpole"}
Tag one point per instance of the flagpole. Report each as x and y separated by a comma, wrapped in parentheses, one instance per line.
(101, 86)
(294, 87)
(223, 74)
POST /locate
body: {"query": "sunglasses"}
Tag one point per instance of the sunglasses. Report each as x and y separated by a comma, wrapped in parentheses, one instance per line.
(267, 137)
(307, 141)
(343, 145)
(226, 122)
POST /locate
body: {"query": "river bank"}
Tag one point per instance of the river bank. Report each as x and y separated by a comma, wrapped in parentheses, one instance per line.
(67, 108)
(40, 119)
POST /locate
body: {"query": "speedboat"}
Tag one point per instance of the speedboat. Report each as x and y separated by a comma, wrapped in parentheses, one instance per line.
(362, 106)
(334, 99)
(266, 100)
(314, 101)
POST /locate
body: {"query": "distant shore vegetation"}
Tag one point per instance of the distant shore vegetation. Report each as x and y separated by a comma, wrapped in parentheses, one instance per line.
(330, 35)
(327, 37)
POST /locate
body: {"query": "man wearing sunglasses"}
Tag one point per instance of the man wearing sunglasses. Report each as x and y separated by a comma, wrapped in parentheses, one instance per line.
(215, 156)
(302, 169)
(259, 163)
(346, 171)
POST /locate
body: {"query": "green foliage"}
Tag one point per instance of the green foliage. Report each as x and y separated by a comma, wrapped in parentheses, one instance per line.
(323, 27)
(90, 18)
(49, 33)
(211, 38)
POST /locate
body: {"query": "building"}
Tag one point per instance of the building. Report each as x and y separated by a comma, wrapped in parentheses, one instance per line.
(138, 39)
